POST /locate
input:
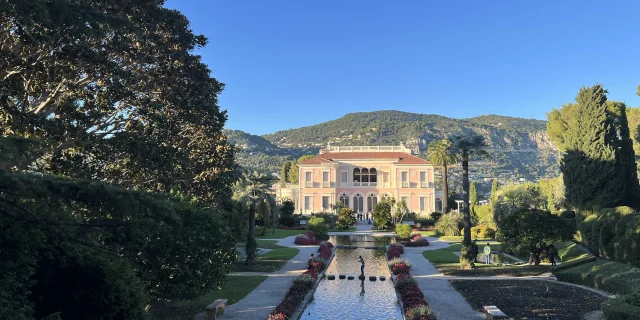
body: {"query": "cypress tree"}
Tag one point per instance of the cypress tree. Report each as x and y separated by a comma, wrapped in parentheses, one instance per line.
(586, 133)
(626, 168)
(494, 191)
(473, 194)
(284, 173)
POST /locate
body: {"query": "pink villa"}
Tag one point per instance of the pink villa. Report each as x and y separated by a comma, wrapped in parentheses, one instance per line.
(361, 176)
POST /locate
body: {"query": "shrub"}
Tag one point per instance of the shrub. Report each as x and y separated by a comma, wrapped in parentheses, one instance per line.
(400, 268)
(305, 280)
(394, 252)
(449, 225)
(420, 313)
(435, 215)
(345, 219)
(287, 221)
(319, 227)
(403, 231)
(395, 261)
(403, 282)
(415, 235)
(613, 277)
(382, 216)
(620, 309)
(397, 247)
(306, 239)
(467, 257)
(481, 232)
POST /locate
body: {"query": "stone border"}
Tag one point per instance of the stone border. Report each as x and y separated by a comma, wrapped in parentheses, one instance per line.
(307, 299)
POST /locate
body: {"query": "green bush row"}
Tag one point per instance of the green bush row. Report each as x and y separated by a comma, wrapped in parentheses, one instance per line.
(613, 277)
(620, 309)
(612, 233)
(574, 264)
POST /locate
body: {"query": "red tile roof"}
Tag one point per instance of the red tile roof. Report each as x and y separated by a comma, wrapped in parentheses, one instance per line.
(400, 157)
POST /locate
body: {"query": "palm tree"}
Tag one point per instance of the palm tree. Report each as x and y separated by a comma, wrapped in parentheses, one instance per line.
(252, 190)
(442, 153)
(467, 145)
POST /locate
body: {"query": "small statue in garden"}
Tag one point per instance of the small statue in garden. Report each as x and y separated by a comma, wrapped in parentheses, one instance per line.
(361, 265)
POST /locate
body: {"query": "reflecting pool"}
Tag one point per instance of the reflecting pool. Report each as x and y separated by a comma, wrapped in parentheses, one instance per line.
(355, 299)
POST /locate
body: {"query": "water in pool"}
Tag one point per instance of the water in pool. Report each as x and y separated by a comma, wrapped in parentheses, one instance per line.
(355, 299)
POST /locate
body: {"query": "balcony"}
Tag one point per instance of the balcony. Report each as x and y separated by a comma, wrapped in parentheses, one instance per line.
(424, 184)
(326, 184)
(405, 184)
(356, 184)
(308, 184)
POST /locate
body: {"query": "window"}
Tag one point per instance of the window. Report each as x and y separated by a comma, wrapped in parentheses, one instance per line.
(307, 202)
(423, 179)
(423, 204)
(343, 177)
(325, 203)
(356, 175)
(405, 179)
(364, 175)
(344, 198)
(373, 175)
(325, 179)
(385, 177)
(372, 201)
(386, 197)
(308, 180)
(357, 203)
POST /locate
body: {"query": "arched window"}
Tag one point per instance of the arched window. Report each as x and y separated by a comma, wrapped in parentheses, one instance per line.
(372, 201)
(357, 203)
(344, 198)
(373, 175)
(365, 175)
(356, 175)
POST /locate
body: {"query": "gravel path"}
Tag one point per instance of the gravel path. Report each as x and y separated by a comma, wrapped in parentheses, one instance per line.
(443, 299)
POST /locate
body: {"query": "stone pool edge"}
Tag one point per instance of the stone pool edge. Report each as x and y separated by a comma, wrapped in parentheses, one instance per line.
(307, 299)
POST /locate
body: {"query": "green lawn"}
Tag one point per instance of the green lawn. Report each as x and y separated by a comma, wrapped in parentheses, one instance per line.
(440, 256)
(270, 261)
(236, 288)
(264, 244)
(281, 233)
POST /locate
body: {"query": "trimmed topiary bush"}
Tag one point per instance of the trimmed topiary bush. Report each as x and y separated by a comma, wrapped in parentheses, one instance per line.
(403, 231)
(619, 308)
(319, 227)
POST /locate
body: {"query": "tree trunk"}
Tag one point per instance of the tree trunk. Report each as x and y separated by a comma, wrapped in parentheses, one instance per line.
(465, 198)
(251, 238)
(445, 187)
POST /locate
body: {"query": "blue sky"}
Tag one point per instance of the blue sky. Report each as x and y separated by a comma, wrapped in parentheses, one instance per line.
(288, 64)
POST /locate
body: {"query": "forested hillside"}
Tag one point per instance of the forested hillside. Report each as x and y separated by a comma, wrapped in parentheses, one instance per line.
(521, 147)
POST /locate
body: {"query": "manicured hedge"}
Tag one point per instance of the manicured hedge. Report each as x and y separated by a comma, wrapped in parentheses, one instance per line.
(573, 264)
(619, 309)
(613, 277)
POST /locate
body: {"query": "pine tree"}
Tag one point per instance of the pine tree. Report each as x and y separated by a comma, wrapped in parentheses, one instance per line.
(494, 191)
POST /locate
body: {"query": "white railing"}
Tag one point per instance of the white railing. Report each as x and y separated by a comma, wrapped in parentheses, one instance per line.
(424, 185)
(308, 184)
(326, 184)
(366, 149)
(364, 184)
(405, 184)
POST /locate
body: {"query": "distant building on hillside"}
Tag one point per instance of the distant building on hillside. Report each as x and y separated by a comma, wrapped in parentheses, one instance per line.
(362, 176)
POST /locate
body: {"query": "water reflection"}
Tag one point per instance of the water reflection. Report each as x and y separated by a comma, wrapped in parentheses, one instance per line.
(359, 298)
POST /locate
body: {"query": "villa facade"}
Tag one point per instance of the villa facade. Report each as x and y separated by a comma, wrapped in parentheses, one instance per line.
(362, 176)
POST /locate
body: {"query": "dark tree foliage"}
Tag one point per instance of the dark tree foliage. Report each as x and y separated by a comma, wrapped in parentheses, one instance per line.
(532, 231)
(598, 164)
(113, 91)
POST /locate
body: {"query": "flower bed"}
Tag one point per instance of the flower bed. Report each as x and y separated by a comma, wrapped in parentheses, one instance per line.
(415, 307)
(394, 251)
(301, 285)
(417, 242)
(306, 239)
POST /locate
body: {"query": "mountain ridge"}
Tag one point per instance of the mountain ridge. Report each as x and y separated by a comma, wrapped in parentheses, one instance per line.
(520, 147)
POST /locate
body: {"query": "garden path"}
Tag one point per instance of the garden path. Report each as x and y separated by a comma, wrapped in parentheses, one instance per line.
(258, 304)
(444, 300)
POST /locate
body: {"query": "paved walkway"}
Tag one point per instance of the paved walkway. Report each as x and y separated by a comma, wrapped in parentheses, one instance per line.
(262, 300)
(444, 300)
